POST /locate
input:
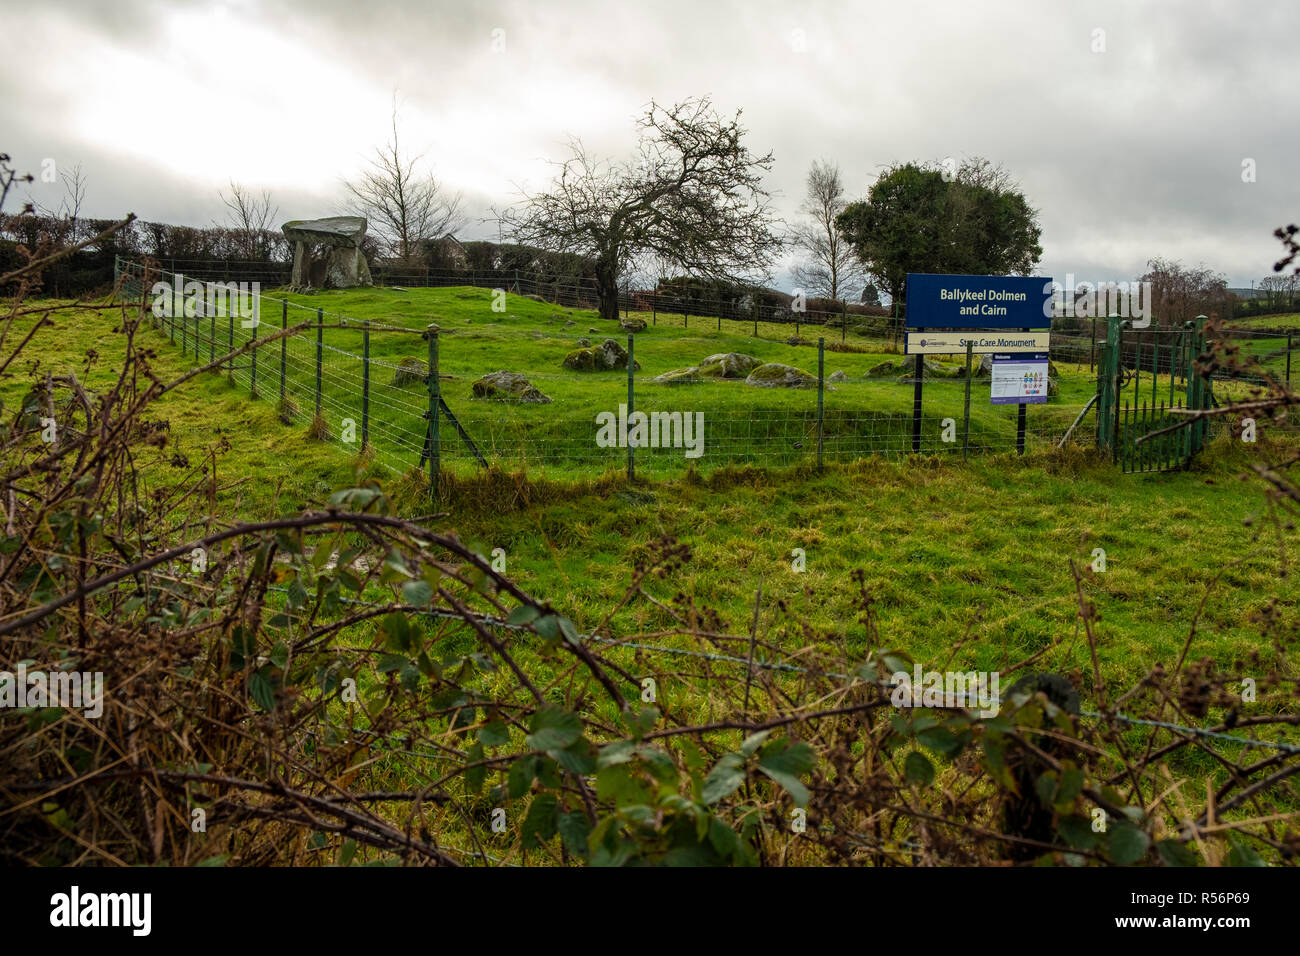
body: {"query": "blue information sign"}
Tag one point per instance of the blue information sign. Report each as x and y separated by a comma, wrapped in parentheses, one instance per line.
(978, 302)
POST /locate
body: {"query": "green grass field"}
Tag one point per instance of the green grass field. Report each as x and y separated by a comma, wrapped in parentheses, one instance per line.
(967, 564)
(980, 549)
(743, 424)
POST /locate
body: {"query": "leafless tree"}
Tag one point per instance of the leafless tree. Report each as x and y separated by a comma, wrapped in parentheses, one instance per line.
(66, 217)
(692, 196)
(252, 217)
(832, 268)
(9, 176)
(405, 205)
(1180, 293)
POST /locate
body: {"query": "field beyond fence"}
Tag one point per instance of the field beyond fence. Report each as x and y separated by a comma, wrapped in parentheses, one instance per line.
(356, 370)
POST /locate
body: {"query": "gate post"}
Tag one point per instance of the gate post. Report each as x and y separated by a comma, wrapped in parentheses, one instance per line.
(1108, 353)
(1197, 387)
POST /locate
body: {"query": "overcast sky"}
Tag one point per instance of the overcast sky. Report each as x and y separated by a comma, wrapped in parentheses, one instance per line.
(1131, 152)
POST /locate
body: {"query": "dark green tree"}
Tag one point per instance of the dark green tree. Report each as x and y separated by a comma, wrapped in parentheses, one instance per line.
(918, 218)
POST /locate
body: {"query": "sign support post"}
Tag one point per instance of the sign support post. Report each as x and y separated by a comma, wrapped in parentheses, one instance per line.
(919, 362)
(965, 438)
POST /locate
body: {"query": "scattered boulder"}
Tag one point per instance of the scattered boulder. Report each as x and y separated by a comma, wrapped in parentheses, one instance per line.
(838, 376)
(569, 323)
(776, 375)
(584, 343)
(410, 371)
(935, 370)
(593, 331)
(680, 376)
(604, 357)
(730, 364)
(885, 370)
(535, 298)
(632, 325)
(985, 368)
(506, 386)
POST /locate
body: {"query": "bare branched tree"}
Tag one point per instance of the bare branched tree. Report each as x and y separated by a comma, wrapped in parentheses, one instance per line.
(405, 205)
(68, 212)
(252, 217)
(832, 268)
(9, 176)
(1180, 293)
(692, 197)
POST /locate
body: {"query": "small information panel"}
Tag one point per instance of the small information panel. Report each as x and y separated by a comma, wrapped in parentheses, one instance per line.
(1019, 379)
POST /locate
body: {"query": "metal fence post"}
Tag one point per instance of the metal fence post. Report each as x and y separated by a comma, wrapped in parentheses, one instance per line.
(821, 386)
(365, 386)
(1288, 361)
(252, 354)
(230, 340)
(631, 403)
(320, 342)
(432, 434)
(965, 439)
(284, 342)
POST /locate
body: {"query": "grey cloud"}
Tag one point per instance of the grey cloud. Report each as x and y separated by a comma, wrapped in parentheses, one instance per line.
(1131, 153)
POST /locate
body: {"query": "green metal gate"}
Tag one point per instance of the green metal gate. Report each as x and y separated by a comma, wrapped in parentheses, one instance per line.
(1143, 377)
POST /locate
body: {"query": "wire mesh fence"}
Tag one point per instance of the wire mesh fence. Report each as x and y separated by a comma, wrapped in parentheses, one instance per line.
(366, 383)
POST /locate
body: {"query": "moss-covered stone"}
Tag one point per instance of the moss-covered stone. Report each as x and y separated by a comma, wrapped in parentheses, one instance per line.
(729, 364)
(606, 356)
(776, 375)
(506, 386)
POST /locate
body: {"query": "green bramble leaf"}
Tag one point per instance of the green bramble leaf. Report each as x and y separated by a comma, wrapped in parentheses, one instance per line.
(918, 769)
(553, 728)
